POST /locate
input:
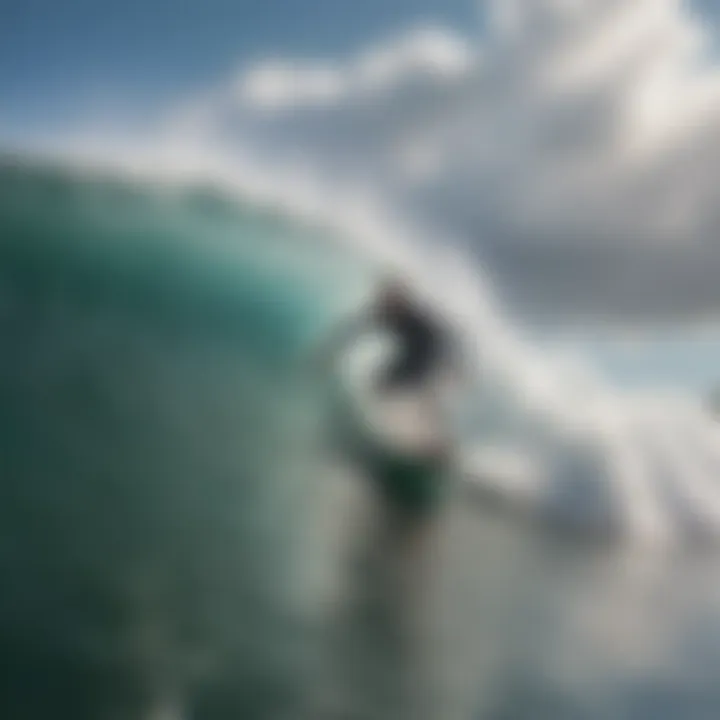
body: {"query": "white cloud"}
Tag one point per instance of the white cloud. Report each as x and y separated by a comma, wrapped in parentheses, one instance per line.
(591, 125)
(281, 84)
(276, 85)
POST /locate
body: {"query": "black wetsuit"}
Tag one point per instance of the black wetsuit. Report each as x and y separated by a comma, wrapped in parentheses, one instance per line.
(423, 347)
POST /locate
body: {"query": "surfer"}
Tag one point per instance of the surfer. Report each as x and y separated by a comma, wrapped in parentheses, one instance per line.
(394, 537)
(411, 393)
(424, 350)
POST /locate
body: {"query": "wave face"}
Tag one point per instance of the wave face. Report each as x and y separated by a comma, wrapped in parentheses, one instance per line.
(146, 386)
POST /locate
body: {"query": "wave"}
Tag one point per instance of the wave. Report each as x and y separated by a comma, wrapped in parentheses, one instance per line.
(641, 466)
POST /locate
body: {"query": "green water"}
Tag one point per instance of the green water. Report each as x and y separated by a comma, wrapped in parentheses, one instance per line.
(152, 440)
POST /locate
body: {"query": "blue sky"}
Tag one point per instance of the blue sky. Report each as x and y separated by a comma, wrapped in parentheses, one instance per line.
(56, 58)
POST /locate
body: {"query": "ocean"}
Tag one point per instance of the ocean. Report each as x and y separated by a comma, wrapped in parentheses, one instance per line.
(176, 543)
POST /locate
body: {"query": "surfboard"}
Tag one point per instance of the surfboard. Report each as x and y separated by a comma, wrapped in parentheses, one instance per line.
(399, 444)
(404, 444)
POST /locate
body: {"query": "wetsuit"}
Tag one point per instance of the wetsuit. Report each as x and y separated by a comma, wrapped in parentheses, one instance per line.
(423, 347)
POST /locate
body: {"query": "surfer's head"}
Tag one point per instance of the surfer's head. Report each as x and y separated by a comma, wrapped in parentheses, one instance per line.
(394, 294)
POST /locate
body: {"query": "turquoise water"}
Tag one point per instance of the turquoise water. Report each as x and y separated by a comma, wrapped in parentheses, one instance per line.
(149, 519)
(173, 544)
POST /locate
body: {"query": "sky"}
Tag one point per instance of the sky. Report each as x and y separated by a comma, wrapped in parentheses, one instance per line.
(57, 58)
(573, 145)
